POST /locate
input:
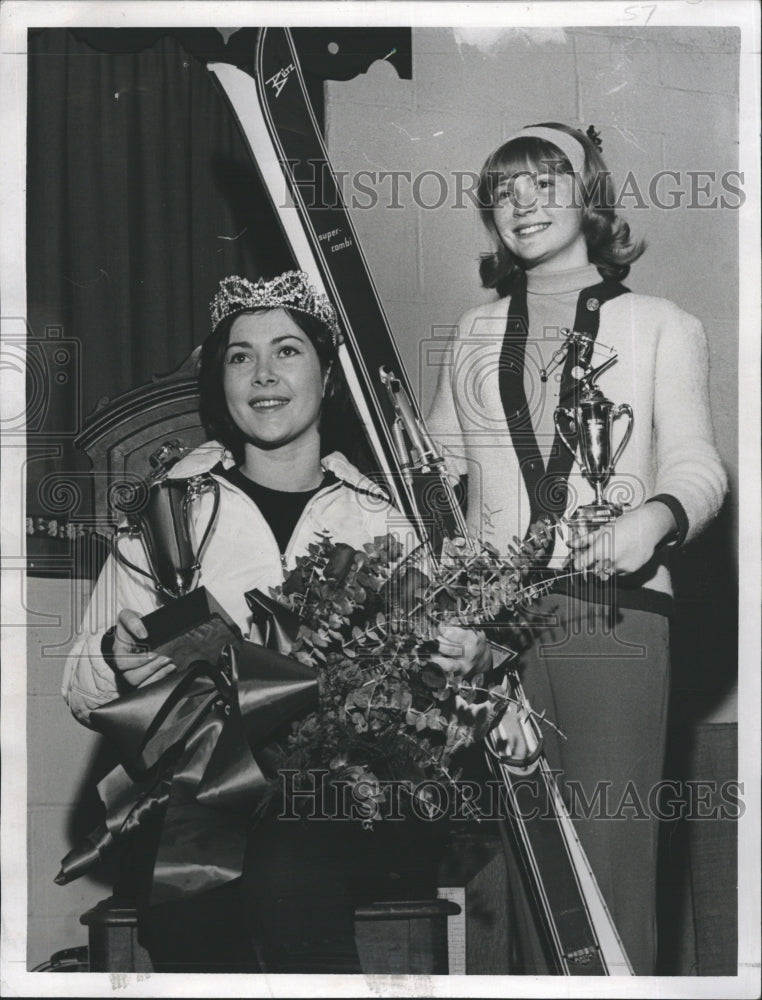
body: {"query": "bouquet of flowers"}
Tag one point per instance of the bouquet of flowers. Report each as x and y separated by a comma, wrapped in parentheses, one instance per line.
(374, 712)
(368, 623)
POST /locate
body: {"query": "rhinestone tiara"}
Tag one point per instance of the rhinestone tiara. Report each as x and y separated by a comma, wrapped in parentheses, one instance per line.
(290, 290)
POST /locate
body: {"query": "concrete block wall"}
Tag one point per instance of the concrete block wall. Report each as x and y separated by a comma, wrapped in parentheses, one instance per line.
(662, 98)
(60, 759)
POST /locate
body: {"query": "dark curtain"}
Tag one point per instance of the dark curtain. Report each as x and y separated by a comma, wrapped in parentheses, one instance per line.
(140, 196)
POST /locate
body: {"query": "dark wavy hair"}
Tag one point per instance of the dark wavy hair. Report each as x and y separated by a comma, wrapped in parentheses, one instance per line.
(609, 244)
(213, 407)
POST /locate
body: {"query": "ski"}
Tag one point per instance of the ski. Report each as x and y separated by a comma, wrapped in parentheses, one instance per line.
(278, 124)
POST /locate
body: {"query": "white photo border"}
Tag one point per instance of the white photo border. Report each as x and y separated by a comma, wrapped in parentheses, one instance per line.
(16, 16)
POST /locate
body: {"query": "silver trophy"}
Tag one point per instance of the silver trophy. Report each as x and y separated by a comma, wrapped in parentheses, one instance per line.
(190, 623)
(591, 419)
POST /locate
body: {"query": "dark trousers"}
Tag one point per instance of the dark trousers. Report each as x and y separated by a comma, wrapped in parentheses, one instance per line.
(603, 679)
(292, 910)
(303, 879)
(207, 932)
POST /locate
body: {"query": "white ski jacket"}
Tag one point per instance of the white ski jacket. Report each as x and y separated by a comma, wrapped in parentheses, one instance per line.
(240, 554)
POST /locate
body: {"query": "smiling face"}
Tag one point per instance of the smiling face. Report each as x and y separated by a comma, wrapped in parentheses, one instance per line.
(538, 218)
(273, 380)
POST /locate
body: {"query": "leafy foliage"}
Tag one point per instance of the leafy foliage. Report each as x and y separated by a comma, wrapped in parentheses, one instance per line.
(368, 628)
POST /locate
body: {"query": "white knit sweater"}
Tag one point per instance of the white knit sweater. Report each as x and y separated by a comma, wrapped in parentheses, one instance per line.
(662, 371)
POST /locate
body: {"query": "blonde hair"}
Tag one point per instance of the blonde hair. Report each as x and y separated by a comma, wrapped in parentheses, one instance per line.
(609, 243)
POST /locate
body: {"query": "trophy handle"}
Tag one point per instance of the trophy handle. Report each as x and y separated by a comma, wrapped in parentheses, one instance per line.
(131, 531)
(196, 487)
(569, 414)
(617, 412)
(165, 536)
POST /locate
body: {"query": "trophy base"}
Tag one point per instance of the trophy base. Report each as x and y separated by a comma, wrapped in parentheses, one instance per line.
(190, 628)
(596, 514)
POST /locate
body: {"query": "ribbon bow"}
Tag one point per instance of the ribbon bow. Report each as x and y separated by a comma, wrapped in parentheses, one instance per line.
(195, 742)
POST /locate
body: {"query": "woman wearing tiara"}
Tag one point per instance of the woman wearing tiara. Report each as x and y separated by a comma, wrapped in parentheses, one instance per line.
(269, 378)
(560, 255)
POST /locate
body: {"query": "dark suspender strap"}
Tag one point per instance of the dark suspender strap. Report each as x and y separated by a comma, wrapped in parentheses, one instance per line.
(512, 393)
(547, 488)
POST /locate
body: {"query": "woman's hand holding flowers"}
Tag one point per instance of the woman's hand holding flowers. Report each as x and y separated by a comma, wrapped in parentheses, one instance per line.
(462, 651)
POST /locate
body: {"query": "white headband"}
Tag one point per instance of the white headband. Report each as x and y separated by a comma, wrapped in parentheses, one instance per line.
(569, 146)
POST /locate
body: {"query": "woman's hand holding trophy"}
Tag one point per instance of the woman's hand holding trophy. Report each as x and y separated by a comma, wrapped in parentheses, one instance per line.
(190, 624)
(604, 538)
(622, 546)
(135, 662)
